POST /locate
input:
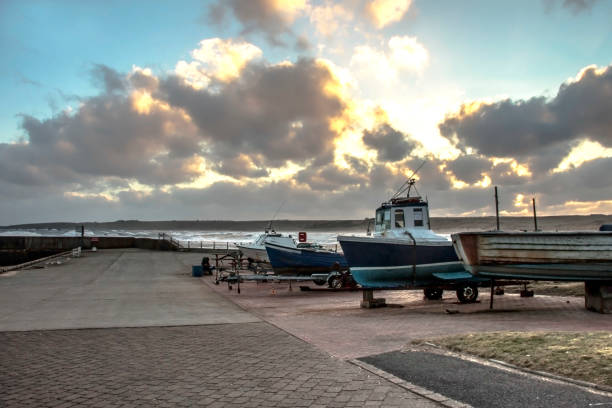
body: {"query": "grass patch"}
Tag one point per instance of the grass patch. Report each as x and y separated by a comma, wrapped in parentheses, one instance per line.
(577, 355)
(551, 288)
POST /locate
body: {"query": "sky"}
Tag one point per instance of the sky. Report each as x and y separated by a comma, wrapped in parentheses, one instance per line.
(232, 109)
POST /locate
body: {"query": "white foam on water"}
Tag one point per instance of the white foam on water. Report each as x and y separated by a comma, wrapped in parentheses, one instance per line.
(205, 237)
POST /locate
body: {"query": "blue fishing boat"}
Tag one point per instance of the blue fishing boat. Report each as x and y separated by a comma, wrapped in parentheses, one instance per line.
(404, 253)
(305, 259)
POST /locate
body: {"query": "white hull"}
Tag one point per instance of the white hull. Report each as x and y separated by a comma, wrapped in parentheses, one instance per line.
(257, 254)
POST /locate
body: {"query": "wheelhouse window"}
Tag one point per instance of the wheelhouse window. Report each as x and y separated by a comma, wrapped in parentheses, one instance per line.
(383, 219)
(399, 218)
(380, 215)
(418, 217)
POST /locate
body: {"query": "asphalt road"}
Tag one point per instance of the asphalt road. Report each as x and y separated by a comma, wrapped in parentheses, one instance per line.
(480, 385)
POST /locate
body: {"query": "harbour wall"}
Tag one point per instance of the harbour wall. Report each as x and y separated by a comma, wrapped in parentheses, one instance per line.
(15, 250)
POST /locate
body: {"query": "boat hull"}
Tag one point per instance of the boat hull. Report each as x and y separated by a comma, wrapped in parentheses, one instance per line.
(256, 254)
(296, 261)
(569, 256)
(387, 263)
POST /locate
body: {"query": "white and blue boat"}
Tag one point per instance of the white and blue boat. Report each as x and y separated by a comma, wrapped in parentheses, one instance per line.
(404, 253)
(304, 259)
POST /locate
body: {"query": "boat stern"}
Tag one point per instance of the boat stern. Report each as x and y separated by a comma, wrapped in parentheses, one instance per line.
(466, 247)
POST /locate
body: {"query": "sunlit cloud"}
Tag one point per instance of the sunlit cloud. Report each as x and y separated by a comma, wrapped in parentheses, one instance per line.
(385, 65)
(217, 59)
(585, 151)
(407, 53)
(327, 19)
(385, 12)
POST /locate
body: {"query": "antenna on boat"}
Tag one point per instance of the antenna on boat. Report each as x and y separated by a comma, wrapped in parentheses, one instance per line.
(408, 184)
(269, 227)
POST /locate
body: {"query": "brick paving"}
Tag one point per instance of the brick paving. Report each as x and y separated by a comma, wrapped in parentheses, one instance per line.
(334, 322)
(244, 364)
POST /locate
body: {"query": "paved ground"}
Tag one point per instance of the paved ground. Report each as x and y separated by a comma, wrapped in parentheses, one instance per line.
(483, 386)
(112, 288)
(215, 355)
(334, 322)
(240, 365)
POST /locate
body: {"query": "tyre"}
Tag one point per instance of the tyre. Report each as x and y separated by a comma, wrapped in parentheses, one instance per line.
(433, 293)
(467, 293)
(335, 282)
(319, 282)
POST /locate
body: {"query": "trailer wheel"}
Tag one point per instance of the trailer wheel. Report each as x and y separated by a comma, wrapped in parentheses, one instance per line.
(467, 293)
(433, 293)
(335, 282)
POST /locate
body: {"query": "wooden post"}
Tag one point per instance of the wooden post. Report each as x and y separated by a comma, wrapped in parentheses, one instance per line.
(492, 293)
(535, 217)
(496, 208)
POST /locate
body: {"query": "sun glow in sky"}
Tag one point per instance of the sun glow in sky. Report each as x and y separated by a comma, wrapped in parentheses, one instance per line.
(173, 112)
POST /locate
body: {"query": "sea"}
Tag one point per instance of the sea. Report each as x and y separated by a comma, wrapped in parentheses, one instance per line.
(192, 238)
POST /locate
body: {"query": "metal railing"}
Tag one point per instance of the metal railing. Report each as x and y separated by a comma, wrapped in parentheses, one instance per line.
(219, 245)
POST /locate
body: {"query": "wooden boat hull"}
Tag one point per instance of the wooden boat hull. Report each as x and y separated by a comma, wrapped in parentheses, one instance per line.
(571, 256)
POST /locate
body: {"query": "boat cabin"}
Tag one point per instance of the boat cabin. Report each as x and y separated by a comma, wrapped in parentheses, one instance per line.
(402, 214)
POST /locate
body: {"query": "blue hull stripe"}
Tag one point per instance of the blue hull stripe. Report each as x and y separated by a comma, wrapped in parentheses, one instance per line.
(389, 265)
(303, 261)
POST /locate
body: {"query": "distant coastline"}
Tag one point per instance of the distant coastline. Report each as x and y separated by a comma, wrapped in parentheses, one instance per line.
(440, 224)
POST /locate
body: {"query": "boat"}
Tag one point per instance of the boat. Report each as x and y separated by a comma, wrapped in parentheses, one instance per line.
(256, 251)
(404, 253)
(538, 255)
(304, 259)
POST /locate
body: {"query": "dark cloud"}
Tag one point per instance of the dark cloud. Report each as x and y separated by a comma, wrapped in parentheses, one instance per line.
(330, 178)
(256, 16)
(391, 145)
(357, 164)
(528, 129)
(278, 112)
(106, 137)
(469, 168)
(239, 167)
(504, 175)
(142, 81)
(107, 78)
(430, 176)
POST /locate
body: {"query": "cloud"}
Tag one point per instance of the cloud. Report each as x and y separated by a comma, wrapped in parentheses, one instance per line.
(385, 12)
(541, 130)
(271, 17)
(241, 166)
(330, 178)
(281, 112)
(329, 18)
(403, 54)
(391, 144)
(105, 137)
(107, 78)
(217, 60)
(469, 168)
(408, 53)
(579, 5)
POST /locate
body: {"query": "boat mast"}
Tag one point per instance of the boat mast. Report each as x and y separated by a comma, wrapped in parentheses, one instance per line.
(408, 184)
(269, 227)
